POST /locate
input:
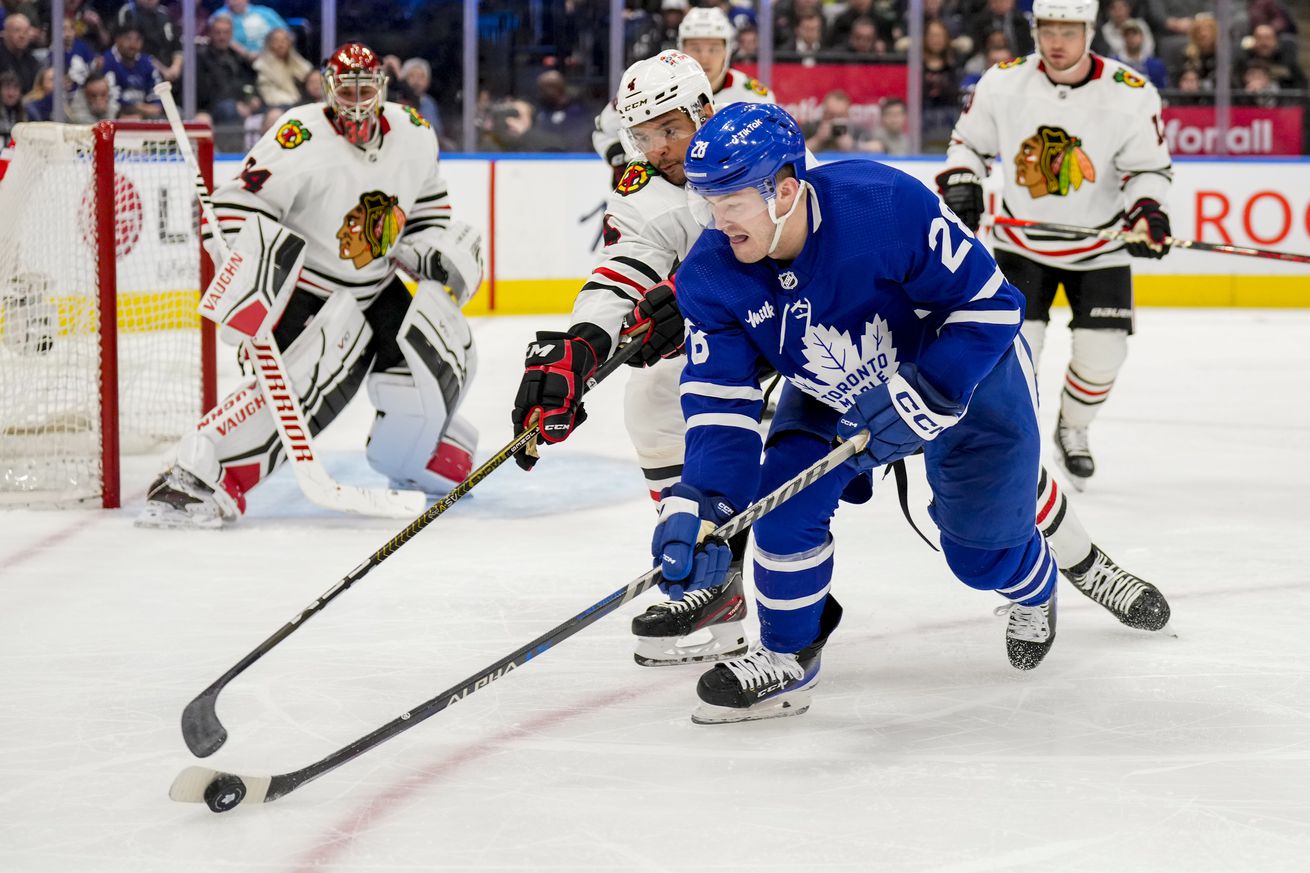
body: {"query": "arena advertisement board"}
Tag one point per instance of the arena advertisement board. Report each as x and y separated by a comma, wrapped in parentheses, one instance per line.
(1254, 131)
(546, 213)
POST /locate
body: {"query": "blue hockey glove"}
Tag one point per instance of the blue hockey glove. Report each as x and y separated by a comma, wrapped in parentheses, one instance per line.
(900, 415)
(683, 550)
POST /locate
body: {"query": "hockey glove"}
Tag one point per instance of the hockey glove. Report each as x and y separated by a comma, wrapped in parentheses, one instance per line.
(900, 415)
(555, 376)
(962, 191)
(1149, 218)
(659, 310)
(690, 559)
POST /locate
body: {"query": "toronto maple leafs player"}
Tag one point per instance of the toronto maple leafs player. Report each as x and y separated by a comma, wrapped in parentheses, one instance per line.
(358, 178)
(1079, 139)
(883, 314)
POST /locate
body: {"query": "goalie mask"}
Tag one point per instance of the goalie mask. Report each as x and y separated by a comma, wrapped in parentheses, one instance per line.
(354, 88)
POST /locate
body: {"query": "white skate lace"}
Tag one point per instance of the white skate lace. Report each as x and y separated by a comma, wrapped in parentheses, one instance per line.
(763, 667)
(1110, 585)
(1074, 440)
(1028, 623)
(693, 599)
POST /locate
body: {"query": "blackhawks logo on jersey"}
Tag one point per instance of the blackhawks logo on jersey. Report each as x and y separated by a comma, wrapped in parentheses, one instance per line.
(757, 86)
(370, 229)
(1129, 78)
(1052, 161)
(416, 119)
(635, 177)
(292, 134)
(1012, 63)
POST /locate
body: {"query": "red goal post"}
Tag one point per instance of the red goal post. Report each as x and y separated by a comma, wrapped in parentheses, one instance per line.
(101, 267)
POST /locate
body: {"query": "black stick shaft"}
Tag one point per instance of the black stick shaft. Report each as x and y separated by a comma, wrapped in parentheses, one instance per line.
(288, 782)
(202, 731)
(1197, 245)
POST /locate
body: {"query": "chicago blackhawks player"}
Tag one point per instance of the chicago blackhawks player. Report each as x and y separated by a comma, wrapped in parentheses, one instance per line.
(708, 36)
(1079, 140)
(358, 179)
(649, 229)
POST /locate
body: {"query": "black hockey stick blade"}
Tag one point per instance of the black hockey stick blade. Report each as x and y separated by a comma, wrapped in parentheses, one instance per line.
(223, 791)
(203, 732)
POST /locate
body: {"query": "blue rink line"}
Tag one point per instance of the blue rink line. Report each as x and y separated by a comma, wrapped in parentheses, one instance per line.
(563, 481)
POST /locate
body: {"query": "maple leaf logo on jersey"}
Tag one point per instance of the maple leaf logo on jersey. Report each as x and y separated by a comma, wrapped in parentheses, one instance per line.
(1052, 161)
(842, 369)
(292, 134)
(370, 229)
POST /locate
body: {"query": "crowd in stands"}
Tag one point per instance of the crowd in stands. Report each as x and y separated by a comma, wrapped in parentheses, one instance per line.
(250, 67)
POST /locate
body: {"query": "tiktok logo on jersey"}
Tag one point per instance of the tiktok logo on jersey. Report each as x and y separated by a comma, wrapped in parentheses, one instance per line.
(841, 368)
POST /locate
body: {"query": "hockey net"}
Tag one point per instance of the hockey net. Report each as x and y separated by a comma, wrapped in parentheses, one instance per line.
(101, 350)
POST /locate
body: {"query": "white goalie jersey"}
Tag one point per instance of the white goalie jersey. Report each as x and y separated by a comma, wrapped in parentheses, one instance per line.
(351, 205)
(1068, 154)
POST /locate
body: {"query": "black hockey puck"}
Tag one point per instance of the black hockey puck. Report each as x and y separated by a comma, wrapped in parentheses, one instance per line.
(224, 793)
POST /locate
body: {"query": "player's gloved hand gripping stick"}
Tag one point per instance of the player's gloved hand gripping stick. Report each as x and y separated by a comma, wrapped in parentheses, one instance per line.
(252, 316)
(224, 791)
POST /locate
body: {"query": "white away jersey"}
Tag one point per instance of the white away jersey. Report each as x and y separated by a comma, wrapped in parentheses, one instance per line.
(1071, 155)
(737, 88)
(352, 206)
(648, 231)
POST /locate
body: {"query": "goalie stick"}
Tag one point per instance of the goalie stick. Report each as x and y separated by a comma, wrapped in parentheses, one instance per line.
(270, 371)
(1131, 236)
(223, 791)
(201, 728)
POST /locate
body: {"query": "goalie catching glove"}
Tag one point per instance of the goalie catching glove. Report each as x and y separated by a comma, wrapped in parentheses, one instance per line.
(451, 255)
(251, 289)
(689, 558)
(658, 312)
(555, 375)
(900, 415)
(1149, 218)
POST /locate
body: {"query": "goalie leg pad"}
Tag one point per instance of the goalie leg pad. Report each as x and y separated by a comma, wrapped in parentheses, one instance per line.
(236, 445)
(416, 440)
(652, 412)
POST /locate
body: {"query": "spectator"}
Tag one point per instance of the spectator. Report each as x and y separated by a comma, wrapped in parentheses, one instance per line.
(418, 74)
(941, 82)
(39, 103)
(1278, 57)
(1271, 12)
(840, 29)
(748, 45)
(79, 57)
(947, 12)
(1259, 85)
(833, 132)
(1118, 13)
(1003, 16)
(663, 31)
(314, 87)
(132, 76)
(16, 50)
(27, 9)
(159, 37)
(225, 84)
(1137, 53)
(1199, 53)
(808, 40)
(87, 25)
(559, 116)
(890, 138)
(993, 50)
(508, 127)
(251, 25)
(280, 71)
(1171, 41)
(863, 39)
(11, 106)
(93, 102)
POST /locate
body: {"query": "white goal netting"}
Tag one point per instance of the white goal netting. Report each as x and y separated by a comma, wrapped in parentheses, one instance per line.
(52, 282)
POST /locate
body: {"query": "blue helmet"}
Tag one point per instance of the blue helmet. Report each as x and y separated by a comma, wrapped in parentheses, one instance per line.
(744, 145)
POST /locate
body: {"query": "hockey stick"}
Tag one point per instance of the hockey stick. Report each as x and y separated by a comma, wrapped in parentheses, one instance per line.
(270, 370)
(201, 728)
(222, 791)
(1131, 236)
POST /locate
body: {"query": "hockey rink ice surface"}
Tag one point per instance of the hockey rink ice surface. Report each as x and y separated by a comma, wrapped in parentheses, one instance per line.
(923, 750)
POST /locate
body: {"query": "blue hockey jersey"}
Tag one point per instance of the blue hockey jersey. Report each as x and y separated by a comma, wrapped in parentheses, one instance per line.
(888, 275)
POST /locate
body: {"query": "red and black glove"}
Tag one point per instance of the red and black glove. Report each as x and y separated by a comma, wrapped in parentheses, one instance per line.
(555, 376)
(962, 190)
(658, 309)
(1147, 216)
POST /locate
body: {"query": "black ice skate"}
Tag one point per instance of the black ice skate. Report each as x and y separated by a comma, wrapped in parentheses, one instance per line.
(1134, 601)
(717, 612)
(765, 684)
(178, 499)
(1075, 453)
(1029, 632)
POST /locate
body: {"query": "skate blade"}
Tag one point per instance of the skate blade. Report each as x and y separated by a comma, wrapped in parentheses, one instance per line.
(154, 520)
(670, 651)
(793, 703)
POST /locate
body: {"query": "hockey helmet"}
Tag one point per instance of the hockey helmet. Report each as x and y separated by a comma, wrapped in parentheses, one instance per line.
(1079, 11)
(354, 88)
(670, 80)
(743, 148)
(708, 22)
